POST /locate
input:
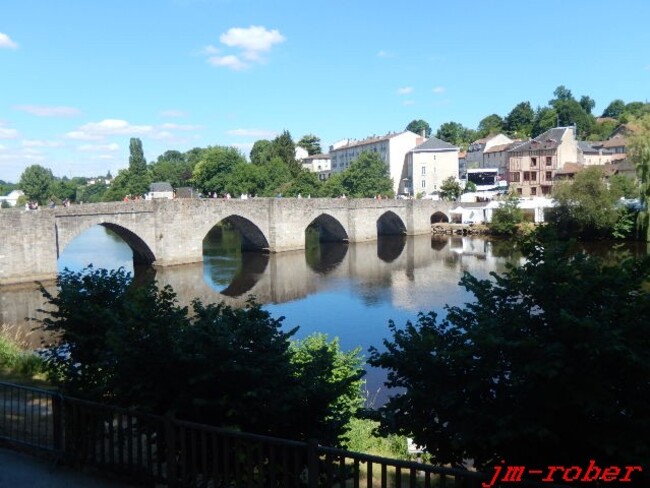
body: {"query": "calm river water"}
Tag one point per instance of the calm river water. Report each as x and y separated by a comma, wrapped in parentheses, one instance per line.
(349, 292)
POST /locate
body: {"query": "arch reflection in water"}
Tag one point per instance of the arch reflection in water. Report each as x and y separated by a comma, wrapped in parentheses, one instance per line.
(390, 247)
(322, 257)
(226, 263)
(85, 249)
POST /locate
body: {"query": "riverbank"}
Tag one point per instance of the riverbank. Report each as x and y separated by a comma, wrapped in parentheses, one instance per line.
(459, 229)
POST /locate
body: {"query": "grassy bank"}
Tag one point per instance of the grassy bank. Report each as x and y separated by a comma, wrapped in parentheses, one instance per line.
(16, 363)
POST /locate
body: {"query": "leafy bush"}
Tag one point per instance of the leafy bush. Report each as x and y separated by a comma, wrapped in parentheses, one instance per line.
(229, 367)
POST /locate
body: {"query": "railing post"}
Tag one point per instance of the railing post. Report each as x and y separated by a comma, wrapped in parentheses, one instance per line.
(170, 444)
(57, 423)
(312, 463)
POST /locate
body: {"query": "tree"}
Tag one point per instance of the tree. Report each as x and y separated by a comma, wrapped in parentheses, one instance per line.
(519, 122)
(450, 189)
(456, 134)
(545, 118)
(550, 361)
(36, 181)
(261, 152)
(492, 124)
(138, 178)
(614, 109)
(638, 151)
(213, 169)
(367, 177)
(570, 112)
(310, 143)
(219, 365)
(585, 206)
(587, 103)
(418, 126)
(173, 167)
(284, 148)
(621, 186)
(506, 218)
(561, 93)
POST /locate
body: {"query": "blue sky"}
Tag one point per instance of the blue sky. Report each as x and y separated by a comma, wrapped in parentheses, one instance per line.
(78, 78)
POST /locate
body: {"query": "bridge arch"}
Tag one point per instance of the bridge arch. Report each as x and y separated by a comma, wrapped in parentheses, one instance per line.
(142, 252)
(252, 237)
(439, 218)
(390, 224)
(329, 229)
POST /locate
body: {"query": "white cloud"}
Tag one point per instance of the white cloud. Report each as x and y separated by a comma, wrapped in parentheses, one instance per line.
(48, 111)
(40, 143)
(7, 133)
(266, 134)
(439, 89)
(5, 41)
(94, 131)
(210, 49)
(2, 148)
(103, 157)
(385, 54)
(408, 102)
(251, 41)
(405, 90)
(173, 113)
(98, 147)
(230, 61)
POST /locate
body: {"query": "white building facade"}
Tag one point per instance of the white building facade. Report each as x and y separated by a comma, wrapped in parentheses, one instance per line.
(318, 163)
(428, 165)
(392, 148)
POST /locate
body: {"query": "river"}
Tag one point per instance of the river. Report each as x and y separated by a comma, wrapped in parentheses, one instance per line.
(346, 291)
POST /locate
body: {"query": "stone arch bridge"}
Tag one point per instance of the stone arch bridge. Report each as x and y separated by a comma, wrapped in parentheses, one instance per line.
(171, 232)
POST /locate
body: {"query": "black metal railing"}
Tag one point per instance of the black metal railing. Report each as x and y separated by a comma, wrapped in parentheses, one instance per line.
(176, 453)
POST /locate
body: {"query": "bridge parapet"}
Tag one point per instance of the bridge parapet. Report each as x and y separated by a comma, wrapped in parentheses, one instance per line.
(171, 232)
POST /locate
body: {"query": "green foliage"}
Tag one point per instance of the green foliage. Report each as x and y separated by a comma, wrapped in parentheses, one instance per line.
(16, 361)
(450, 189)
(419, 125)
(570, 112)
(550, 361)
(519, 122)
(585, 206)
(470, 186)
(366, 177)
(229, 367)
(261, 152)
(284, 148)
(601, 130)
(173, 167)
(456, 134)
(639, 153)
(492, 124)
(545, 118)
(614, 109)
(623, 186)
(36, 181)
(212, 171)
(561, 94)
(506, 218)
(587, 103)
(363, 436)
(94, 193)
(6, 188)
(310, 143)
(138, 178)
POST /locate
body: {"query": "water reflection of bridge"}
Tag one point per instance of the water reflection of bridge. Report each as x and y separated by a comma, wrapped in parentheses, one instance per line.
(409, 271)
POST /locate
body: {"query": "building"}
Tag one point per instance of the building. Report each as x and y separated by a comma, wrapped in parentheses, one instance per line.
(12, 197)
(593, 155)
(428, 165)
(478, 151)
(318, 163)
(392, 148)
(532, 165)
(160, 189)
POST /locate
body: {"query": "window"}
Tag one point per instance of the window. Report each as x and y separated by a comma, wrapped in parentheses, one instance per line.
(514, 177)
(533, 176)
(533, 190)
(424, 171)
(526, 175)
(424, 183)
(518, 191)
(549, 160)
(533, 161)
(549, 176)
(546, 190)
